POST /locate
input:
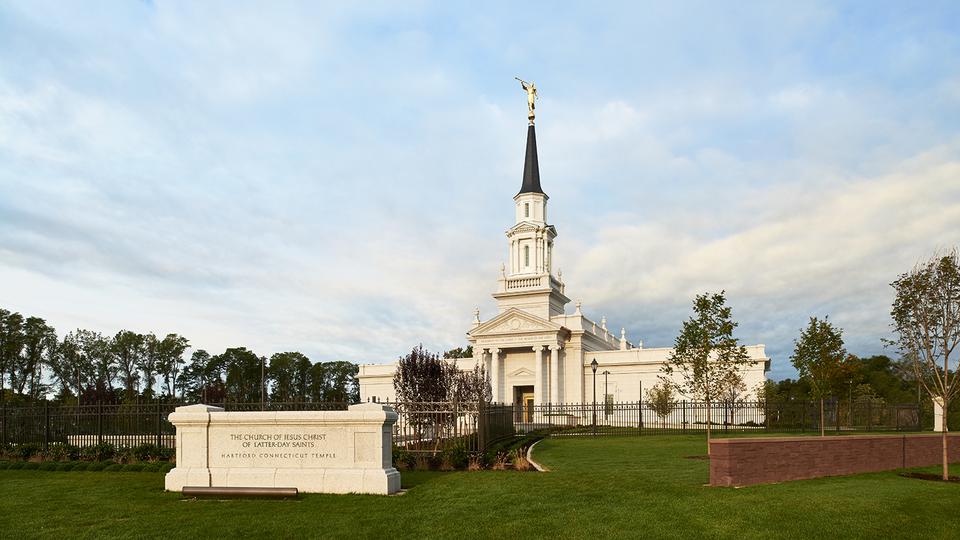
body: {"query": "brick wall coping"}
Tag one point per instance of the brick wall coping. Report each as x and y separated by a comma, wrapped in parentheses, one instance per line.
(816, 438)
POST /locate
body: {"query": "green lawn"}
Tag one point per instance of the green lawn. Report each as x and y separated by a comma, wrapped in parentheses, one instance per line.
(598, 488)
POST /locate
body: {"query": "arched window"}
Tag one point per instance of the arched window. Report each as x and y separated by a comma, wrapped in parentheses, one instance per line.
(526, 255)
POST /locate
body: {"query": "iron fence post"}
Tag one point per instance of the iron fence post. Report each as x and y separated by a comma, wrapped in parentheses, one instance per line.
(684, 421)
(640, 416)
(870, 416)
(3, 424)
(481, 425)
(803, 416)
(46, 425)
(99, 422)
(158, 424)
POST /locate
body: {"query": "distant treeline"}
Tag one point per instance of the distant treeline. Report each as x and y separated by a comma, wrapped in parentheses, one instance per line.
(35, 363)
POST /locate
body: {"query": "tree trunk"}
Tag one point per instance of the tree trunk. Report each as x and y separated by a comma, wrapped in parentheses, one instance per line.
(821, 418)
(710, 421)
(943, 435)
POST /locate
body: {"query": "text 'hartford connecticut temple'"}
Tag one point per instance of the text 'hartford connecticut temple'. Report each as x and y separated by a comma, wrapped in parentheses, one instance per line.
(534, 351)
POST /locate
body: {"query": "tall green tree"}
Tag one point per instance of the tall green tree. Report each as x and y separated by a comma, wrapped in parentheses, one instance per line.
(128, 349)
(926, 318)
(819, 356)
(11, 347)
(705, 354)
(99, 357)
(29, 370)
(342, 381)
(170, 353)
(202, 379)
(243, 371)
(286, 376)
(150, 362)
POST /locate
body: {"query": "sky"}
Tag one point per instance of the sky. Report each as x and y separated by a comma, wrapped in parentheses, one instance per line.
(337, 178)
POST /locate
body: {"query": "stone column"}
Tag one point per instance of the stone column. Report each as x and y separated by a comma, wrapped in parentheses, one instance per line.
(554, 374)
(538, 386)
(495, 381)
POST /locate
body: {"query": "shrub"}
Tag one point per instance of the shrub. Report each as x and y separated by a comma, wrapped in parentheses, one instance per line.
(30, 465)
(80, 466)
(165, 467)
(3, 465)
(15, 465)
(132, 467)
(501, 461)
(66, 466)
(98, 452)
(520, 462)
(48, 466)
(113, 467)
(62, 452)
(458, 457)
(124, 455)
(150, 467)
(402, 459)
(475, 463)
(27, 451)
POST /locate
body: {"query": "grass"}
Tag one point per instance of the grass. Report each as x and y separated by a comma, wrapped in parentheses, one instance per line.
(598, 488)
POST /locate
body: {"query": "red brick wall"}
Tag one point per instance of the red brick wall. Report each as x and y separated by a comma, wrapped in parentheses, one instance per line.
(762, 460)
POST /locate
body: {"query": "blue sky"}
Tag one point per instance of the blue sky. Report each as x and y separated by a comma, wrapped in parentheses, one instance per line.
(337, 178)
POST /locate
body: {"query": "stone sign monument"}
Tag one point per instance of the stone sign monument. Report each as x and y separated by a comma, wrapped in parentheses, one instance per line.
(314, 451)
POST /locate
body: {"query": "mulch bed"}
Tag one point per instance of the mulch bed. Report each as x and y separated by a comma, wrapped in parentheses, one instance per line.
(929, 476)
(701, 458)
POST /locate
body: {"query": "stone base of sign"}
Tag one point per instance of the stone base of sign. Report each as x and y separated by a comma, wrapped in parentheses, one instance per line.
(314, 451)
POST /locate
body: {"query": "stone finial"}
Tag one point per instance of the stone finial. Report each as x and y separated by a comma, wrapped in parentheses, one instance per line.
(603, 322)
(577, 312)
(623, 339)
(476, 317)
(559, 274)
(503, 270)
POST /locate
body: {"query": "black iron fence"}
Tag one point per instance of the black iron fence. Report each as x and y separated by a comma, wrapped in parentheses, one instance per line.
(687, 416)
(470, 426)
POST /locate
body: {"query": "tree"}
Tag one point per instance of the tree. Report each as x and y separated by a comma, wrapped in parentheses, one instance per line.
(459, 352)
(284, 374)
(705, 353)
(149, 362)
(202, 380)
(662, 399)
(243, 371)
(421, 376)
(11, 345)
(926, 318)
(342, 382)
(732, 392)
(28, 370)
(170, 352)
(472, 385)
(129, 348)
(818, 355)
(100, 360)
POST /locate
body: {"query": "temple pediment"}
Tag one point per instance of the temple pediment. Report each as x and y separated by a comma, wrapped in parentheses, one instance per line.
(514, 321)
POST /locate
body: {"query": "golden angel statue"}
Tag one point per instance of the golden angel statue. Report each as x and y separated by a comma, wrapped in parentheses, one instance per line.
(531, 90)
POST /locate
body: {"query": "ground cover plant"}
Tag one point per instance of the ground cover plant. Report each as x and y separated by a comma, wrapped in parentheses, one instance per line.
(597, 488)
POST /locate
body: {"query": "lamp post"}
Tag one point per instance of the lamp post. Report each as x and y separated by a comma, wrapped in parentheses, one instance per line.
(593, 366)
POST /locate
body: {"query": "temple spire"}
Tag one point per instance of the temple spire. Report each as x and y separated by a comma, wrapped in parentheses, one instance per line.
(531, 168)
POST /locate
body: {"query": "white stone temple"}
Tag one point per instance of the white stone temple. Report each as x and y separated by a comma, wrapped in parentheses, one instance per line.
(535, 350)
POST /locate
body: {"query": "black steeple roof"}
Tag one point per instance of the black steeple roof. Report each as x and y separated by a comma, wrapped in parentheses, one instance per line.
(531, 169)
